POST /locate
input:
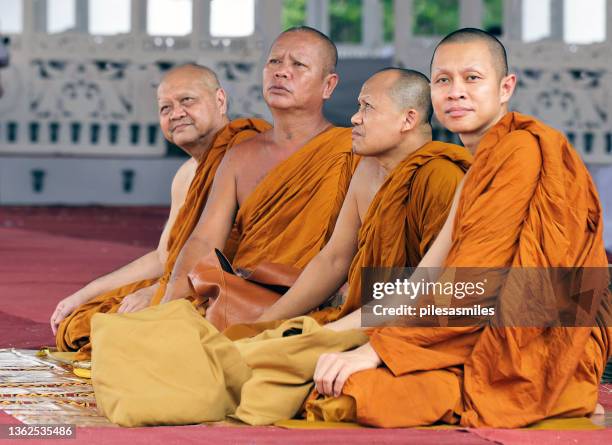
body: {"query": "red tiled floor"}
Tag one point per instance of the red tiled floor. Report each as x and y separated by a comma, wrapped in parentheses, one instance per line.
(138, 226)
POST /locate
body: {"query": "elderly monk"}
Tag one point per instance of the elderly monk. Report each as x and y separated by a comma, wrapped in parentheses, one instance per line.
(192, 114)
(398, 199)
(283, 188)
(527, 200)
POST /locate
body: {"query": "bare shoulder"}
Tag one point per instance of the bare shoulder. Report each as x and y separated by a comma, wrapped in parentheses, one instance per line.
(365, 183)
(366, 171)
(183, 177)
(246, 151)
(366, 174)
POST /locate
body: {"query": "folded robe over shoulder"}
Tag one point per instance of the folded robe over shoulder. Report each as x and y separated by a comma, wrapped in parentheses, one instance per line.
(528, 201)
(405, 216)
(73, 332)
(291, 214)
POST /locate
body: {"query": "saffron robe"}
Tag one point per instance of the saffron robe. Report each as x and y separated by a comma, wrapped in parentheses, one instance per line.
(528, 201)
(405, 216)
(291, 214)
(73, 332)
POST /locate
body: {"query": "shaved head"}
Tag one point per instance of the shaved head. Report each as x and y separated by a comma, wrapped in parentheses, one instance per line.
(192, 107)
(200, 73)
(410, 89)
(467, 35)
(329, 52)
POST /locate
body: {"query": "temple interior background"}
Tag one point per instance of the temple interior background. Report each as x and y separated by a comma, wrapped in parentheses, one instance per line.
(78, 115)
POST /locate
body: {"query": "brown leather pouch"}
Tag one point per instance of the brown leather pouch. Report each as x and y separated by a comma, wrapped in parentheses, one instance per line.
(238, 296)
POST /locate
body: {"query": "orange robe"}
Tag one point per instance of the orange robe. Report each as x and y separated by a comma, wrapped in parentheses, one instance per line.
(405, 216)
(527, 201)
(291, 214)
(73, 332)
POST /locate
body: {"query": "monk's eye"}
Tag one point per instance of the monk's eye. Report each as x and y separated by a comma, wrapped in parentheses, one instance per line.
(164, 110)
(300, 64)
(187, 100)
(365, 107)
(442, 80)
(472, 77)
(273, 61)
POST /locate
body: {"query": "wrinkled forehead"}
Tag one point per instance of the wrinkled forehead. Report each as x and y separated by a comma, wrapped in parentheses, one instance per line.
(177, 84)
(367, 90)
(298, 44)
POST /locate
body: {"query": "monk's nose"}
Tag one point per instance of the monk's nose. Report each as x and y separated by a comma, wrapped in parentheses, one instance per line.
(177, 113)
(356, 118)
(281, 72)
(456, 91)
(280, 75)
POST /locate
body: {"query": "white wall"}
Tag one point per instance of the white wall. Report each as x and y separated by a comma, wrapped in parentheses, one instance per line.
(73, 181)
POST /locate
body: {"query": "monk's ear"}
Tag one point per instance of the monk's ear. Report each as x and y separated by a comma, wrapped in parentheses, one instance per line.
(411, 119)
(506, 88)
(331, 80)
(221, 100)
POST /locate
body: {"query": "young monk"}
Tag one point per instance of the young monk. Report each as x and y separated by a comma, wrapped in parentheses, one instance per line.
(283, 188)
(527, 200)
(398, 199)
(192, 115)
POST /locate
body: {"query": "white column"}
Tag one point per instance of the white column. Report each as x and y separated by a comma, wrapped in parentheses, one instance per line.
(34, 16)
(471, 13)
(513, 20)
(372, 23)
(82, 16)
(402, 12)
(138, 17)
(608, 21)
(317, 15)
(200, 29)
(268, 15)
(34, 21)
(557, 14)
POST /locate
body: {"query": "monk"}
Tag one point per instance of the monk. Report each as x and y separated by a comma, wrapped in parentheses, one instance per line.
(527, 201)
(192, 115)
(283, 189)
(398, 199)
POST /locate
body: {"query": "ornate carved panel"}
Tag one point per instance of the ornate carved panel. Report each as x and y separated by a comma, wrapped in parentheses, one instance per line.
(87, 95)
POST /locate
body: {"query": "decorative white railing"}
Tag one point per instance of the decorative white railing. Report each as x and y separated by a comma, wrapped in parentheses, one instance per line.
(78, 94)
